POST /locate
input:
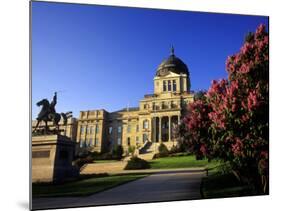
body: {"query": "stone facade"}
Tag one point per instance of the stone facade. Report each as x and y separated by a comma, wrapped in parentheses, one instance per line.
(153, 120)
(52, 157)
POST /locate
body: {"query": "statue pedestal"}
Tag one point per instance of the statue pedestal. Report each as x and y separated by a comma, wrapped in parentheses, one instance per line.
(52, 157)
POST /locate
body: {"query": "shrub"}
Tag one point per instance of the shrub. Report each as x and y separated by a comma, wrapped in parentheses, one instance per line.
(137, 163)
(79, 162)
(175, 149)
(163, 151)
(117, 152)
(131, 149)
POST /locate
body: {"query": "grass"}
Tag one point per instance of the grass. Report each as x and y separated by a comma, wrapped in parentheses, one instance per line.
(180, 162)
(82, 187)
(219, 185)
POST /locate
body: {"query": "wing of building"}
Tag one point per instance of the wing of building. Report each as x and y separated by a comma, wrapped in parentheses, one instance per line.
(154, 119)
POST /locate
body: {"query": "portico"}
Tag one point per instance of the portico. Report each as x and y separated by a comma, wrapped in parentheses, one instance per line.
(163, 128)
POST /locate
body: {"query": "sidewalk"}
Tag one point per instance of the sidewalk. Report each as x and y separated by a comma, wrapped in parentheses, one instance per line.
(159, 171)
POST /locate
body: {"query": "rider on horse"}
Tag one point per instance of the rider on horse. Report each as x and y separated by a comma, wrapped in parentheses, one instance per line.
(52, 110)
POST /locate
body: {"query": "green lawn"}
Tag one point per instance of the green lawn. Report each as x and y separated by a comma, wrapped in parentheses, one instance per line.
(83, 187)
(218, 185)
(180, 162)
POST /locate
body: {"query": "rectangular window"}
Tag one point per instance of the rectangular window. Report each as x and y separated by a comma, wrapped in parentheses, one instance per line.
(81, 143)
(90, 142)
(145, 124)
(164, 86)
(119, 129)
(144, 137)
(137, 139)
(97, 129)
(128, 128)
(174, 85)
(128, 141)
(96, 142)
(82, 129)
(110, 130)
(119, 141)
(169, 85)
(137, 128)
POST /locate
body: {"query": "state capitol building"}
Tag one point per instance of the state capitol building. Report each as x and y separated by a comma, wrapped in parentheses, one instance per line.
(153, 121)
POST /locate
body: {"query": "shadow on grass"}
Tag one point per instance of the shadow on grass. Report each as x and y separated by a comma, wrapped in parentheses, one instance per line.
(224, 184)
(85, 186)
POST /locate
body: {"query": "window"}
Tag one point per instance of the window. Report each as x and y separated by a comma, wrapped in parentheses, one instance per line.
(145, 124)
(97, 128)
(164, 86)
(91, 129)
(174, 85)
(163, 105)
(169, 85)
(119, 141)
(128, 128)
(128, 141)
(81, 143)
(137, 139)
(144, 137)
(96, 142)
(119, 129)
(110, 130)
(87, 129)
(137, 128)
(82, 129)
(153, 106)
(90, 142)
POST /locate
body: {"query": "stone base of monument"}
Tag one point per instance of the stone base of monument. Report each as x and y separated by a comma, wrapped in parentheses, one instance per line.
(52, 157)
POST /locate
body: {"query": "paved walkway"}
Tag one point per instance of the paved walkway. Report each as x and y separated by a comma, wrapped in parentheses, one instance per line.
(161, 186)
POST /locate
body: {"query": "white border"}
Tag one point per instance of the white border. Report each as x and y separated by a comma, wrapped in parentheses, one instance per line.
(14, 48)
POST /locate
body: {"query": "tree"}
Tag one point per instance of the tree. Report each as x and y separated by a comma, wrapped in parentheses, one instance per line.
(231, 123)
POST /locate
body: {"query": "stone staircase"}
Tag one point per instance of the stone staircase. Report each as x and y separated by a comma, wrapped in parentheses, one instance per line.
(148, 151)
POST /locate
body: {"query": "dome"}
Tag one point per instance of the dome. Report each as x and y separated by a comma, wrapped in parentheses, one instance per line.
(172, 64)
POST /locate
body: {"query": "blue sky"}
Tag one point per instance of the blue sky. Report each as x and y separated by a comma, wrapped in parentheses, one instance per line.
(106, 57)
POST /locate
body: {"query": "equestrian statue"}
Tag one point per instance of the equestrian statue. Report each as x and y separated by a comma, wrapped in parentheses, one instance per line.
(48, 114)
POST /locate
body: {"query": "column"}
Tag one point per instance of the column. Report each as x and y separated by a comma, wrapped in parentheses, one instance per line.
(169, 128)
(160, 130)
(154, 130)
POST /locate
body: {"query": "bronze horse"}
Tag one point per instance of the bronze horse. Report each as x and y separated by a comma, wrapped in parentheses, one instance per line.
(48, 114)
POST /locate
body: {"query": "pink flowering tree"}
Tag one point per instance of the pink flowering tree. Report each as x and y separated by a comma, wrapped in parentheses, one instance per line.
(235, 113)
(195, 127)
